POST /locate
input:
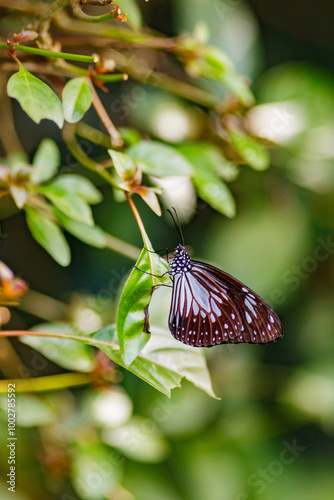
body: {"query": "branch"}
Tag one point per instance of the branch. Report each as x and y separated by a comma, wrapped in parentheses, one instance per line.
(49, 383)
(116, 140)
(48, 53)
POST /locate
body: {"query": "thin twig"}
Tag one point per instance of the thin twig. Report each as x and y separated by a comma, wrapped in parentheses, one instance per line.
(116, 139)
(48, 383)
(141, 226)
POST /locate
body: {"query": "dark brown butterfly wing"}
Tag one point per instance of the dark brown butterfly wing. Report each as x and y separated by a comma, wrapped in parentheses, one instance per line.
(210, 307)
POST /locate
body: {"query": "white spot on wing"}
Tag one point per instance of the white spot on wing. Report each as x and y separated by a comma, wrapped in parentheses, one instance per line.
(250, 307)
(248, 317)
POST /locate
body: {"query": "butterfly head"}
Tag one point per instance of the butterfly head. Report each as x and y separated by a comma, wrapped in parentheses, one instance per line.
(181, 262)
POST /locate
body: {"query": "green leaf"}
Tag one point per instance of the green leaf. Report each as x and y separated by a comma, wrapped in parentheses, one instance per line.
(77, 99)
(129, 135)
(207, 164)
(208, 156)
(149, 447)
(69, 203)
(48, 235)
(64, 352)
(250, 150)
(91, 235)
(133, 304)
(46, 161)
(217, 66)
(158, 159)
(96, 470)
(124, 165)
(212, 190)
(163, 363)
(36, 98)
(188, 362)
(79, 185)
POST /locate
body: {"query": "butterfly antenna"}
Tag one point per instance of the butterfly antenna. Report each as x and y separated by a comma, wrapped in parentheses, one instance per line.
(177, 223)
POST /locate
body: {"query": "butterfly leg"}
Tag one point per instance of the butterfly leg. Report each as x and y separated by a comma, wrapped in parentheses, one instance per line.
(151, 274)
(157, 251)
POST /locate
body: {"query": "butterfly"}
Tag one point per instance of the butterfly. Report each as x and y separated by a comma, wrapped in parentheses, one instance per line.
(210, 307)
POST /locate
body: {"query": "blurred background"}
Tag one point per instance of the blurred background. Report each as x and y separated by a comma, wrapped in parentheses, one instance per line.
(272, 434)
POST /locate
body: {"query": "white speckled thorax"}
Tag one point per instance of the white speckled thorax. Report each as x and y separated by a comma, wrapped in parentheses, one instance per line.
(181, 263)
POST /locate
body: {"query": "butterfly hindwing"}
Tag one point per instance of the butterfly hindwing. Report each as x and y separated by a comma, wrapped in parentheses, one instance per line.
(210, 307)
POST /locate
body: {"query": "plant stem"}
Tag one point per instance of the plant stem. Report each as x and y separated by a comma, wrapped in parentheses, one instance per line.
(65, 23)
(143, 73)
(93, 135)
(51, 11)
(66, 69)
(77, 11)
(48, 53)
(141, 226)
(49, 383)
(116, 139)
(56, 335)
(42, 306)
(80, 155)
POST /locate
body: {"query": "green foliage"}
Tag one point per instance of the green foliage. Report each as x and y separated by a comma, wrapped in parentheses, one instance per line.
(96, 461)
(77, 99)
(91, 235)
(162, 364)
(158, 159)
(209, 165)
(250, 150)
(46, 161)
(36, 97)
(48, 235)
(66, 353)
(151, 448)
(132, 316)
(215, 64)
(80, 186)
(124, 165)
(69, 203)
(97, 414)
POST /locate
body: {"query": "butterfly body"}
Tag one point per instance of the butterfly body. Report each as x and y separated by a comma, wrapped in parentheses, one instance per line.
(210, 307)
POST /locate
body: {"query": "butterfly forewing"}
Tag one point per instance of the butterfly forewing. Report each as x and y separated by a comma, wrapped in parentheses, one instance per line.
(210, 307)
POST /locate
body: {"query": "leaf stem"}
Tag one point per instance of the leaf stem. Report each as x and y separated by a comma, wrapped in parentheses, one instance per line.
(49, 383)
(116, 139)
(80, 155)
(143, 73)
(141, 226)
(56, 335)
(47, 53)
(77, 11)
